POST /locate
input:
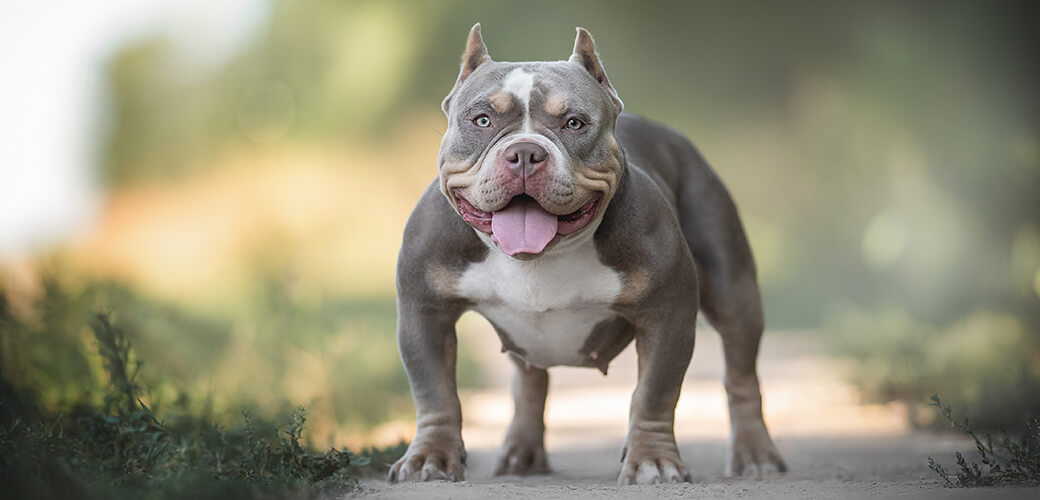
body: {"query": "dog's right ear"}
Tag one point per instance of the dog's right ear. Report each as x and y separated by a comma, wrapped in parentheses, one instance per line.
(585, 55)
(475, 55)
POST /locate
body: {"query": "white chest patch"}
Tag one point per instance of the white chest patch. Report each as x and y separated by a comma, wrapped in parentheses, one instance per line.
(547, 306)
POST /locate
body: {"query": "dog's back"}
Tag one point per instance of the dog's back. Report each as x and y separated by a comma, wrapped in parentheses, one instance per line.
(706, 212)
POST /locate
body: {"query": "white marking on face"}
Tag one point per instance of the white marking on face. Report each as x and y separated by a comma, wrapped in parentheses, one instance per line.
(547, 306)
(521, 83)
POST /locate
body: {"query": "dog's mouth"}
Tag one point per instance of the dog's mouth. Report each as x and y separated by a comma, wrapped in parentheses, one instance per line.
(523, 228)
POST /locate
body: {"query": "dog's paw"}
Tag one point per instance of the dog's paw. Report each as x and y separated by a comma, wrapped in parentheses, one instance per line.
(753, 453)
(651, 463)
(425, 462)
(522, 457)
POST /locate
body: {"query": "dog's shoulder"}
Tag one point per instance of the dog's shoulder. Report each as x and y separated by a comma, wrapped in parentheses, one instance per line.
(437, 246)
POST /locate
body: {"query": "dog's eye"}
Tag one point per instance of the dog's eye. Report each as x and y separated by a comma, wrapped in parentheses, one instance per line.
(482, 121)
(574, 124)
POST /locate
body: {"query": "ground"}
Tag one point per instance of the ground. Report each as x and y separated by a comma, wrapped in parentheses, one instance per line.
(835, 445)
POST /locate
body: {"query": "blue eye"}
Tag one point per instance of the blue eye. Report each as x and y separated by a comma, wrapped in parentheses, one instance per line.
(482, 121)
(574, 124)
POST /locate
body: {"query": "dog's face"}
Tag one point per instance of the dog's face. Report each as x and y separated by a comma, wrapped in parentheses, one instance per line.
(529, 158)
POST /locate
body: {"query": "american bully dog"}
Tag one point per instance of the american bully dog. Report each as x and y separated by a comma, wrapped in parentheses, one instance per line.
(574, 229)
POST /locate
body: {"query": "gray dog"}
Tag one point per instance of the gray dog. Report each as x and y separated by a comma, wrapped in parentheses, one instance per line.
(574, 229)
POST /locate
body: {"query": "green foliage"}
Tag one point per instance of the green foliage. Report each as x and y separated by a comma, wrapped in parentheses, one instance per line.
(123, 450)
(104, 455)
(114, 349)
(56, 346)
(1010, 461)
(253, 353)
(985, 362)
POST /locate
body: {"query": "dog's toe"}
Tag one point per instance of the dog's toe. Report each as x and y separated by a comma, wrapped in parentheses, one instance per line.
(652, 471)
(752, 453)
(754, 463)
(522, 461)
(670, 473)
(427, 465)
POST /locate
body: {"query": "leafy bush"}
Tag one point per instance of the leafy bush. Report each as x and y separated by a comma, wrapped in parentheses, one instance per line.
(1010, 461)
(985, 361)
(121, 449)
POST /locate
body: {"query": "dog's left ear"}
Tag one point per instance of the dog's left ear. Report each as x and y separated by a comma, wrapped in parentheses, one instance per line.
(585, 55)
(475, 56)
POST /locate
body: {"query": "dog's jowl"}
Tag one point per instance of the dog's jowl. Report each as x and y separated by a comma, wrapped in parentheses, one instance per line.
(574, 229)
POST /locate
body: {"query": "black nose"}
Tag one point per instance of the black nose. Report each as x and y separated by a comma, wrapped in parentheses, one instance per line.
(525, 157)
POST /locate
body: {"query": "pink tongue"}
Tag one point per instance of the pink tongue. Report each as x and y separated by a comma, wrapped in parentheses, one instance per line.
(523, 227)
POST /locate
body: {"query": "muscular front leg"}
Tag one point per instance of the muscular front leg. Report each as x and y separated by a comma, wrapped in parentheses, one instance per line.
(523, 452)
(426, 338)
(664, 348)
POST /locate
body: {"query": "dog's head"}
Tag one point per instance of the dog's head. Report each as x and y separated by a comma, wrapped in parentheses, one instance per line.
(529, 158)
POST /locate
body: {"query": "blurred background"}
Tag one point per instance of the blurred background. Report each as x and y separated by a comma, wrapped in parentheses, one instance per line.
(231, 179)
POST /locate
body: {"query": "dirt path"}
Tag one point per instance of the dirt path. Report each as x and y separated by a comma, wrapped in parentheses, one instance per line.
(835, 446)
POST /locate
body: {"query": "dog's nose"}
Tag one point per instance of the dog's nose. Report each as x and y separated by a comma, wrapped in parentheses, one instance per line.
(525, 157)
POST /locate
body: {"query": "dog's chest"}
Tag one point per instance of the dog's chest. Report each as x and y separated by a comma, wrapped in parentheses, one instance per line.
(547, 307)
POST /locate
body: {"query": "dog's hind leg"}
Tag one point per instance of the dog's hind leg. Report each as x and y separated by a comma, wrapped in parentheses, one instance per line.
(730, 299)
(523, 451)
(735, 310)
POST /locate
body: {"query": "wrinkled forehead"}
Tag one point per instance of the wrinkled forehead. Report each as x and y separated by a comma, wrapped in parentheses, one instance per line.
(535, 87)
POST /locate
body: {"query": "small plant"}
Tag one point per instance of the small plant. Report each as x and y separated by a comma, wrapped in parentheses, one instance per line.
(288, 461)
(1010, 461)
(114, 348)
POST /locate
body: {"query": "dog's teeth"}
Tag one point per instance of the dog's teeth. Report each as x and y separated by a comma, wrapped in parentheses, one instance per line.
(529, 366)
(504, 349)
(594, 355)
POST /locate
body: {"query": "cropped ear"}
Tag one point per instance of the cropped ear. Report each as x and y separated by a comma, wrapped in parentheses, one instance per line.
(475, 55)
(585, 55)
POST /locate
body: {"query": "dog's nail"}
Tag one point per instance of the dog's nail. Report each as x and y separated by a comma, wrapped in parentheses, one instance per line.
(603, 368)
(504, 348)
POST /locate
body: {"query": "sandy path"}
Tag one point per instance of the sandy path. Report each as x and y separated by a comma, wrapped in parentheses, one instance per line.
(835, 446)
